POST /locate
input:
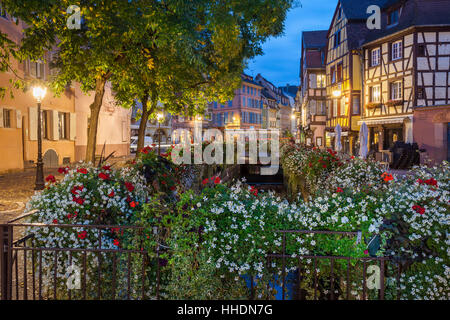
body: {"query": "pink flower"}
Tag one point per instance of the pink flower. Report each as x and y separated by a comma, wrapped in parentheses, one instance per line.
(366, 251)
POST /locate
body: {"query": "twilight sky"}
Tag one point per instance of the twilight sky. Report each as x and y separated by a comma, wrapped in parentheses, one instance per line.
(280, 63)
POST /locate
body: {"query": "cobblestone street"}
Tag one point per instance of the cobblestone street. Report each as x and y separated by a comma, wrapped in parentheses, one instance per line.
(16, 189)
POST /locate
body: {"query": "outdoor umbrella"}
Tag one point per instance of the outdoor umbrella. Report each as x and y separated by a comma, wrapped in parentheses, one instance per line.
(363, 137)
(337, 142)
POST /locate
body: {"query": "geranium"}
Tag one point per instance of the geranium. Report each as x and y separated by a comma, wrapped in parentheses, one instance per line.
(82, 170)
(132, 204)
(103, 176)
(50, 178)
(106, 168)
(82, 235)
(339, 190)
(63, 170)
(387, 177)
(111, 194)
(116, 242)
(129, 186)
(418, 209)
(55, 221)
(205, 181)
(217, 180)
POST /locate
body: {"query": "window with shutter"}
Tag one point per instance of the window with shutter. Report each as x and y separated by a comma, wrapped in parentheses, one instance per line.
(32, 119)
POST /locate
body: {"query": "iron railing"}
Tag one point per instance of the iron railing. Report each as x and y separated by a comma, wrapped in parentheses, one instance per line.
(19, 257)
(21, 267)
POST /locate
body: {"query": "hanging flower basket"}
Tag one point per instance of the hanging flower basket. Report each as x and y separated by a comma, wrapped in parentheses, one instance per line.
(393, 103)
(373, 105)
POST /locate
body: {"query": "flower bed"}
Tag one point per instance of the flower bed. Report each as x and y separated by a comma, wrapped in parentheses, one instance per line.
(88, 196)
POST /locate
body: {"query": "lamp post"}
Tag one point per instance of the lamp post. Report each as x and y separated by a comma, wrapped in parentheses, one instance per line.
(39, 94)
(160, 116)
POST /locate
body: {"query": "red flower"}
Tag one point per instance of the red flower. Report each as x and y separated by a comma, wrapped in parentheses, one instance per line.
(173, 188)
(420, 181)
(217, 180)
(431, 182)
(63, 170)
(114, 230)
(82, 235)
(132, 204)
(129, 186)
(254, 191)
(106, 168)
(387, 177)
(324, 165)
(164, 155)
(76, 189)
(339, 190)
(103, 176)
(78, 200)
(205, 181)
(116, 242)
(163, 182)
(55, 221)
(50, 178)
(82, 170)
(111, 194)
(310, 164)
(418, 209)
(352, 157)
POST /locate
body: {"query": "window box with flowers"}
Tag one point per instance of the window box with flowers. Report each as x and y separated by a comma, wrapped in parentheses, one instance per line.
(373, 105)
(394, 103)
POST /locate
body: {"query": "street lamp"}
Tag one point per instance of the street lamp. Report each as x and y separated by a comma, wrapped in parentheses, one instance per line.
(39, 94)
(159, 116)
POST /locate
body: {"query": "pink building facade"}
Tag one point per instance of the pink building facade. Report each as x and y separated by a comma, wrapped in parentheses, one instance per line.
(431, 129)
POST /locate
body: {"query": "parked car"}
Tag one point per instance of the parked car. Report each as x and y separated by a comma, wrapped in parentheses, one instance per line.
(133, 143)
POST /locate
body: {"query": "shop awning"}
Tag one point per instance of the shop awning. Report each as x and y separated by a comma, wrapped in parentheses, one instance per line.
(384, 120)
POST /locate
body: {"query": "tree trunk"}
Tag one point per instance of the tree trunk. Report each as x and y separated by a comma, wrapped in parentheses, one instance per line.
(146, 112)
(143, 124)
(93, 122)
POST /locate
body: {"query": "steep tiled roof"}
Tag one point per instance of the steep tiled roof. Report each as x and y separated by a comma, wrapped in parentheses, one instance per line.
(414, 13)
(357, 9)
(314, 39)
(290, 90)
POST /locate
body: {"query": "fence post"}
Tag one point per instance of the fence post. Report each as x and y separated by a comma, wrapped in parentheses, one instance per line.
(6, 237)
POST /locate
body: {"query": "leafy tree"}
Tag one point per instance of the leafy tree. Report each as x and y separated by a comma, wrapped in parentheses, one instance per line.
(182, 53)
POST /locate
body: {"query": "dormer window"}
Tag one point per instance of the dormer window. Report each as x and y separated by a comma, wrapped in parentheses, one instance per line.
(393, 17)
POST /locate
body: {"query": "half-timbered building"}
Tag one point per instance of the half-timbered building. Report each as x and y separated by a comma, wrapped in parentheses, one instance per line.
(312, 75)
(406, 67)
(344, 69)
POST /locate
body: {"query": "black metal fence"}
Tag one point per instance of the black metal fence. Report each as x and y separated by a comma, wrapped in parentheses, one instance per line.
(136, 274)
(24, 263)
(351, 270)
